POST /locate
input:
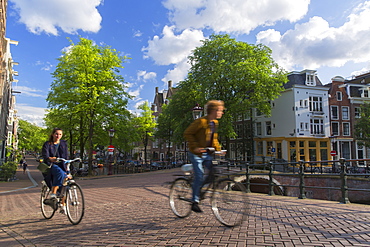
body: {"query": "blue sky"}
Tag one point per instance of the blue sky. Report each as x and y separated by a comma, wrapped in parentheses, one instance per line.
(330, 36)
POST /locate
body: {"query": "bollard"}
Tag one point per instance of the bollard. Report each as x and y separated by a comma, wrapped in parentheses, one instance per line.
(343, 176)
(302, 192)
(247, 179)
(271, 183)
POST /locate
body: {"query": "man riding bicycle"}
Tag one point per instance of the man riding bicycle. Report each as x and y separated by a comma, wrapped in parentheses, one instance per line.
(200, 134)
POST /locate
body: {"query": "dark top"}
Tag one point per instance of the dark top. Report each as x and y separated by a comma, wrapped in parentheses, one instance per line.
(48, 150)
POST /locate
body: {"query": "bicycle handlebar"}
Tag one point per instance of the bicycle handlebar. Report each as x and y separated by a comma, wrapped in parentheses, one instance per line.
(68, 161)
(212, 149)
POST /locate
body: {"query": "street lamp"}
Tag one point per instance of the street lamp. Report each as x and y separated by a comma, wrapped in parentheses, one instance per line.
(197, 111)
(110, 156)
(334, 148)
(111, 134)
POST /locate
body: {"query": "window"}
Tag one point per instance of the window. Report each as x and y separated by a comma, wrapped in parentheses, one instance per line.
(335, 128)
(339, 96)
(310, 80)
(334, 112)
(346, 131)
(9, 140)
(357, 112)
(345, 112)
(239, 130)
(317, 126)
(315, 103)
(260, 148)
(268, 128)
(364, 93)
(259, 128)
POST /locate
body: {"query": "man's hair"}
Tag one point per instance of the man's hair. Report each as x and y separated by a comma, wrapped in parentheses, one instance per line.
(213, 105)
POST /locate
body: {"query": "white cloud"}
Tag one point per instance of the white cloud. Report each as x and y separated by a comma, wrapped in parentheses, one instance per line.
(30, 91)
(135, 92)
(172, 48)
(145, 76)
(315, 44)
(68, 15)
(177, 74)
(235, 16)
(31, 114)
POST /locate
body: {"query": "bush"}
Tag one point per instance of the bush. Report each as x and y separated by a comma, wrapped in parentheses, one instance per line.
(7, 170)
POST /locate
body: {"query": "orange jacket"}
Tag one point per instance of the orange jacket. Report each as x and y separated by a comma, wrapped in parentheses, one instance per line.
(198, 135)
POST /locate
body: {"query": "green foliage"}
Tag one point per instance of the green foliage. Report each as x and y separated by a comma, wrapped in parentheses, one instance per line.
(144, 126)
(30, 136)
(145, 123)
(362, 126)
(88, 95)
(7, 170)
(244, 76)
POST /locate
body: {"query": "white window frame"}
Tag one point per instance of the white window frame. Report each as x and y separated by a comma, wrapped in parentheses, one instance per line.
(332, 111)
(339, 96)
(345, 112)
(345, 129)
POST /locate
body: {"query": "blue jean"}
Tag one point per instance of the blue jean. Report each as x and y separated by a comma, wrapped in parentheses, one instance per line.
(198, 170)
(58, 175)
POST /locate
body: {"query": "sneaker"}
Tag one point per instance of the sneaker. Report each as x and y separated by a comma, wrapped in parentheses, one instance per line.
(195, 207)
(52, 203)
(63, 209)
(53, 196)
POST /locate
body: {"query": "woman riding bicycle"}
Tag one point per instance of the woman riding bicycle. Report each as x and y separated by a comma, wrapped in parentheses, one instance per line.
(202, 133)
(52, 149)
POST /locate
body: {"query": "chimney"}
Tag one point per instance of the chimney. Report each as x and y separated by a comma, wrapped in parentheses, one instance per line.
(169, 84)
(156, 90)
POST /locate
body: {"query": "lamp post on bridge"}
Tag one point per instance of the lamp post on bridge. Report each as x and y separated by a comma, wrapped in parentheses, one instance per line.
(110, 150)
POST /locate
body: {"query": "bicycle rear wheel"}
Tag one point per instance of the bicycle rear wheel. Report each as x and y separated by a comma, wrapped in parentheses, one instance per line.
(47, 209)
(180, 197)
(229, 202)
(75, 203)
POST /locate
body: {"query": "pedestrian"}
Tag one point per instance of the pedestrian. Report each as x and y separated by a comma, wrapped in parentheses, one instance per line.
(21, 163)
(52, 149)
(200, 134)
(24, 166)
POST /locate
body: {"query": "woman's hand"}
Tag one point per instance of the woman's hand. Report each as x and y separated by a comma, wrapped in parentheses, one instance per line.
(53, 159)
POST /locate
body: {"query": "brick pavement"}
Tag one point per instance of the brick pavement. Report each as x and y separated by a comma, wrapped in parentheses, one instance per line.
(132, 210)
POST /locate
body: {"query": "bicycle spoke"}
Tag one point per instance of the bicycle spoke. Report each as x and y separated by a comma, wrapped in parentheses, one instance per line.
(75, 204)
(229, 202)
(46, 207)
(180, 197)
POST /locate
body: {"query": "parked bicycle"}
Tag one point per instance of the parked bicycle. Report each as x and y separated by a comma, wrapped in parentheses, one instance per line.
(229, 199)
(75, 204)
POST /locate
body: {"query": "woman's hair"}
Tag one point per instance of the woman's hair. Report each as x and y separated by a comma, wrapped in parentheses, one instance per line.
(51, 137)
(213, 105)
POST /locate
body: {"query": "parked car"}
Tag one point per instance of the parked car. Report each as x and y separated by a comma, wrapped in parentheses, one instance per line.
(156, 166)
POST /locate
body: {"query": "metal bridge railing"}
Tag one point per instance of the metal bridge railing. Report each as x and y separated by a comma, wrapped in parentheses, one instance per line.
(342, 168)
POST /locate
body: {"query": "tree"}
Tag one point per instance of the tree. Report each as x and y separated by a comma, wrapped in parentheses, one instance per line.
(244, 76)
(144, 125)
(362, 126)
(240, 74)
(167, 127)
(31, 137)
(88, 92)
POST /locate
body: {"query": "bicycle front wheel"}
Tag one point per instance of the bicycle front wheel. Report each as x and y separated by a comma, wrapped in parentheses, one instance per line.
(75, 203)
(180, 197)
(47, 208)
(229, 202)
